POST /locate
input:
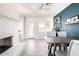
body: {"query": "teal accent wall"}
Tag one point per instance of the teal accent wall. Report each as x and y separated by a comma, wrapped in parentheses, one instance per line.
(70, 11)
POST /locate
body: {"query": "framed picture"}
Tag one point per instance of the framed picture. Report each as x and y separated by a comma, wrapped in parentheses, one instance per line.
(57, 23)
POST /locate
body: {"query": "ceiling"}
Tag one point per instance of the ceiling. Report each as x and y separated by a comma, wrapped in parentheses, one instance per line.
(42, 9)
(37, 9)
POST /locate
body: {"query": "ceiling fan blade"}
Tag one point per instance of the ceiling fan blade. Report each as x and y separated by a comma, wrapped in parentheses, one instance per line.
(41, 6)
(44, 4)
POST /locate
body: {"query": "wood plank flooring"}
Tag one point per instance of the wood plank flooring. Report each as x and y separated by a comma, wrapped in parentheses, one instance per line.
(35, 47)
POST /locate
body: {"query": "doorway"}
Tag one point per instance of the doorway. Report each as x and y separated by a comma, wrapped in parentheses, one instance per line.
(31, 29)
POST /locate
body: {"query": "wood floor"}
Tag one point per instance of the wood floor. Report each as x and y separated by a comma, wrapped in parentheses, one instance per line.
(35, 47)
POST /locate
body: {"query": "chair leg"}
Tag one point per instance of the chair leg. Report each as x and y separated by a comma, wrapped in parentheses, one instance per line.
(59, 47)
(65, 47)
(54, 49)
(49, 48)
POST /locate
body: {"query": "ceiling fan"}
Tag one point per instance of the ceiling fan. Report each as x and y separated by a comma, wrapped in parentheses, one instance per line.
(45, 5)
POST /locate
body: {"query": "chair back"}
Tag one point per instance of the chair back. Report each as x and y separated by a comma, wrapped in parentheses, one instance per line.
(51, 34)
(73, 48)
(62, 34)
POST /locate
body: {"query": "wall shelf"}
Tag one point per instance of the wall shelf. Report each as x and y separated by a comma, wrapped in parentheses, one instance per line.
(73, 20)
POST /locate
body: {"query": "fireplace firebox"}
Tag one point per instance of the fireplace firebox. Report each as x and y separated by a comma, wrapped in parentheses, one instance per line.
(5, 43)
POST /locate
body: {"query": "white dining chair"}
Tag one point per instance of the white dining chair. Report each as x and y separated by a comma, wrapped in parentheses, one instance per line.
(73, 49)
(51, 34)
(62, 34)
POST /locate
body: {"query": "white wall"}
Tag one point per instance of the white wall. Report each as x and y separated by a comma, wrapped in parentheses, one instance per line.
(10, 23)
(12, 27)
(9, 27)
(21, 28)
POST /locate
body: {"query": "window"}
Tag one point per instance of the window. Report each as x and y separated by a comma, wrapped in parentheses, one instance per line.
(31, 28)
(43, 26)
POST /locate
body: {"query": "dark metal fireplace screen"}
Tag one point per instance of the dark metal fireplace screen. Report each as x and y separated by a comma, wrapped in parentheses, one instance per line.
(5, 44)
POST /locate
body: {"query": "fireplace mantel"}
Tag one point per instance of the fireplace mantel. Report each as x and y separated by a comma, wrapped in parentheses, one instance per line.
(4, 36)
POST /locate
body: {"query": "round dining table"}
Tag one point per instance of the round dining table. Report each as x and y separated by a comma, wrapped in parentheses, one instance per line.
(57, 41)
